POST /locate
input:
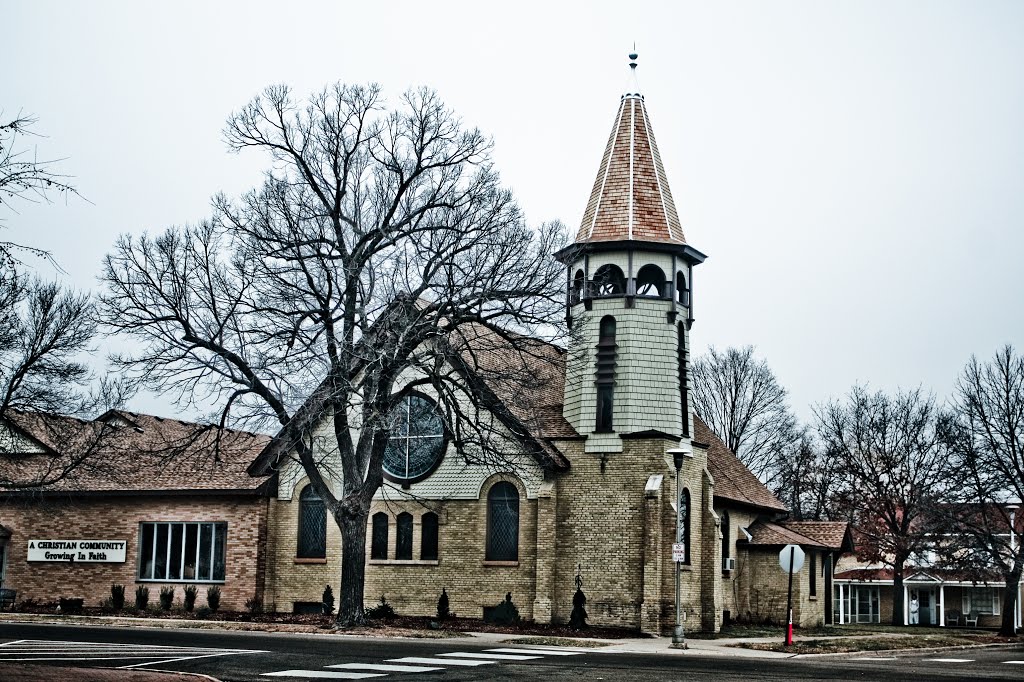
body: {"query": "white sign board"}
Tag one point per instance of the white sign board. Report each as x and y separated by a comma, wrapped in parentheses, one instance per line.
(678, 551)
(78, 551)
(797, 555)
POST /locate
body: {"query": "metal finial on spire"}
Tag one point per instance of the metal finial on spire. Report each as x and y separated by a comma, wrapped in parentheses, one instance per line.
(632, 88)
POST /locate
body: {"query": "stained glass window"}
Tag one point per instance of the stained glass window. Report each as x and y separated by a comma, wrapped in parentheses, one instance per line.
(312, 525)
(379, 536)
(428, 536)
(416, 443)
(503, 523)
(403, 548)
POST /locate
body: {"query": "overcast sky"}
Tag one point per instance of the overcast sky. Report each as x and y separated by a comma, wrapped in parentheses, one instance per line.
(854, 170)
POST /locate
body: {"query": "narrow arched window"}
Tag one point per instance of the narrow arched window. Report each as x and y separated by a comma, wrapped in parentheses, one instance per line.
(312, 525)
(403, 545)
(578, 282)
(379, 536)
(609, 281)
(650, 281)
(726, 541)
(428, 536)
(605, 374)
(684, 525)
(683, 356)
(682, 290)
(502, 523)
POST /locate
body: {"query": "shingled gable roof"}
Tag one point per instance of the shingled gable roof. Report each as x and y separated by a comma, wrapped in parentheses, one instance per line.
(536, 403)
(631, 199)
(733, 480)
(128, 452)
(831, 535)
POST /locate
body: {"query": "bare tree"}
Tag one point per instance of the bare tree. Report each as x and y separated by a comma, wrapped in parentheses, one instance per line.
(890, 453)
(24, 176)
(380, 256)
(808, 480)
(987, 441)
(739, 398)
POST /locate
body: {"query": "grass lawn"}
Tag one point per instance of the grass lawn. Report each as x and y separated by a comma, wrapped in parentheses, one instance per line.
(836, 645)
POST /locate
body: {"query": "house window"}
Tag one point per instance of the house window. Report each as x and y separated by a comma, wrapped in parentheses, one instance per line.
(193, 552)
(650, 281)
(861, 604)
(416, 442)
(684, 525)
(428, 537)
(403, 546)
(379, 536)
(609, 281)
(813, 570)
(502, 523)
(605, 371)
(312, 525)
(726, 540)
(981, 600)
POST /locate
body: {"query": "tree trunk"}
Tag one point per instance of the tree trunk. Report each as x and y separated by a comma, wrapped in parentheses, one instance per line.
(897, 596)
(352, 519)
(1007, 626)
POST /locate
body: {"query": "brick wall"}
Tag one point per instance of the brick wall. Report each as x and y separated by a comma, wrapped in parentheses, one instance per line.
(118, 518)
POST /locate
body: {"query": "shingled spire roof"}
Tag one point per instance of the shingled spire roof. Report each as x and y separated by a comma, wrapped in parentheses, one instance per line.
(631, 198)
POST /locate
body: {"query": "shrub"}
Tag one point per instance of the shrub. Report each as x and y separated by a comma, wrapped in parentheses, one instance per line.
(117, 597)
(203, 612)
(70, 605)
(166, 597)
(191, 592)
(504, 613)
(253, 605)
(213, 597)
(443, 612)
(382, 611)
(328, 600)
(141, 597)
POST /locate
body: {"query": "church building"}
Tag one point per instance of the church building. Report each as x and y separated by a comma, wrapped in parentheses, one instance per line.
(602, 502)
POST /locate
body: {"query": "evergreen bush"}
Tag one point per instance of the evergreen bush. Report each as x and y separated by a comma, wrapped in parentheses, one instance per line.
(166, 597)
(117, 597)
(213, 597)
(191, 592)
(328, 600)
(141, 597)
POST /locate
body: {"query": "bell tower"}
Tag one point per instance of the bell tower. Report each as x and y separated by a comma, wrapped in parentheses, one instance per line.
(629, 280)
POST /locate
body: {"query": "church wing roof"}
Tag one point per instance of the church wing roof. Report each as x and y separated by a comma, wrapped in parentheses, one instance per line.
(835, 535)
(733, 480)
(631, 198)
(767, 534)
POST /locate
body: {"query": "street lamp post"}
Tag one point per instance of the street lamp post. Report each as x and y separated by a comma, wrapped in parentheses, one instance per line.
(678, 456)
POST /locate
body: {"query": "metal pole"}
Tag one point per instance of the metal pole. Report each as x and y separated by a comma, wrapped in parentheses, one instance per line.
(678, 636)
(789, 598)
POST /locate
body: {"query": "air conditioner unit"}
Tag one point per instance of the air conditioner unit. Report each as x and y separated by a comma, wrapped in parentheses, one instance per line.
(728, 564)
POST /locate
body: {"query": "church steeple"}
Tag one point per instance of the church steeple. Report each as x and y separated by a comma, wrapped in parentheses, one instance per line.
(631, 199)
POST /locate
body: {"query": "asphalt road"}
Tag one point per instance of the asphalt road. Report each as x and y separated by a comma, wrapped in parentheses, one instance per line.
(244, 656)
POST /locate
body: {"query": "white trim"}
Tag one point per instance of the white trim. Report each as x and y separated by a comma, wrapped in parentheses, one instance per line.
(632, 155)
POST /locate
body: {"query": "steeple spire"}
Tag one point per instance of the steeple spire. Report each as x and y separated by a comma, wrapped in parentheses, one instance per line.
(631, 199)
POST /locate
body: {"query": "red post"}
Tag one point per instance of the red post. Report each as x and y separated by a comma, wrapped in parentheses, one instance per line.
(789, 598)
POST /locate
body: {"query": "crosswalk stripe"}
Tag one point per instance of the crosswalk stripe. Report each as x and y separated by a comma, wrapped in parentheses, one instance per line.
(950, 660)
(542, 652)
(323, 674)
(385, 667)
(552, 647)
(1014, 662)
(874, 658)
(436, 661)
(490, 657)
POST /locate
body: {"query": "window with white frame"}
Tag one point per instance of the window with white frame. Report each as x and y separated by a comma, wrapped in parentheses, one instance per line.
(983, 600)
(192, 552)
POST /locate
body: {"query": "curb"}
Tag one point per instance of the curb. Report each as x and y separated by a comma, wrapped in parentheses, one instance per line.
(924, 650)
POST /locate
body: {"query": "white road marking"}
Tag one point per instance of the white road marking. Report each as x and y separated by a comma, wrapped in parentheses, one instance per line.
(436, 661)
(385, 667)
(950, 660)
(541, 652)
(490, 657)
(874, 658)
(1014, 662)
(58, 650)
(550, 647)
(323, 674)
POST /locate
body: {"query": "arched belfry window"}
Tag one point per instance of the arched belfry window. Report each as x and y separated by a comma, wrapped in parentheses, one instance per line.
(502, 522)
(312, 525)
(403, 544)
(684, 365)
(428, 536)
(650, 281)
(605, 374)
(609, 281)
(579, 280)
(379, 536)
(682, 289)
(684, 523)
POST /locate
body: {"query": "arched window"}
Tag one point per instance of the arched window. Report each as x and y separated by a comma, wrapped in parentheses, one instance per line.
(428, 536)
(609, 281)
(683, 356)
(682, 289)
(416, 442)
(684, 523)
(502, 522)
(605, 371)
(726, 540)
(403, 546)
(379, 536)
(650, 281)
(578, 282)
(312, 525)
